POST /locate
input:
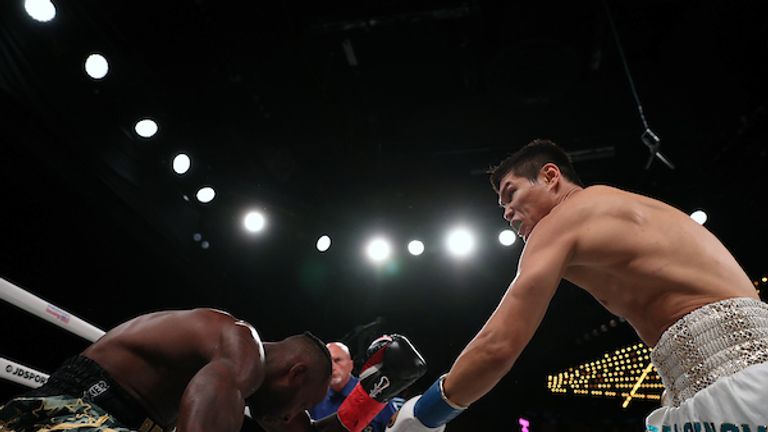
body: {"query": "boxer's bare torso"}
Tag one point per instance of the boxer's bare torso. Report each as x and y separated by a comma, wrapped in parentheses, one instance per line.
(642, 259)
(156, 372)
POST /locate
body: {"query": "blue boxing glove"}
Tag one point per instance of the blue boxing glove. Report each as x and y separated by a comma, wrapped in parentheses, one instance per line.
(428, 412)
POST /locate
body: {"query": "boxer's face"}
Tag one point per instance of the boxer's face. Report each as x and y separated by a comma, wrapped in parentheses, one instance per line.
(280, 400)
(304, 396)
(524, 202)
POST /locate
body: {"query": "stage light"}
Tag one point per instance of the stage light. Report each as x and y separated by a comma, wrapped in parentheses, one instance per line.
(415, 247)
(323, 243)
(206, 194)
(181, 163)
(146, 128)
(254, 221)
(96, 66)
(378, 250)
(40, 10)
(460, 242)
(699, 216)
(507, 237)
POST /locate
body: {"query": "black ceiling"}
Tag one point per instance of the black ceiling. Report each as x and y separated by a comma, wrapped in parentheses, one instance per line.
(350, 118)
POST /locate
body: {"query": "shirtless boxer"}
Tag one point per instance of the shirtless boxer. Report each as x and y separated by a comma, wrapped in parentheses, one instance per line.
(672, 280)
(195, 370)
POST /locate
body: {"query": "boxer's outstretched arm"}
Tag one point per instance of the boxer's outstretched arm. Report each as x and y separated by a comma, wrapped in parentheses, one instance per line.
(493, 351)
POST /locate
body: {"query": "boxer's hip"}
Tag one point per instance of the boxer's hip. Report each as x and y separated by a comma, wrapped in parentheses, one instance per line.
(82, 384)
(711, 342)
(735, 403)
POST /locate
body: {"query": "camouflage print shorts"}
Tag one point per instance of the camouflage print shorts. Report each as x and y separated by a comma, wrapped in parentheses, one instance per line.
(55, 413)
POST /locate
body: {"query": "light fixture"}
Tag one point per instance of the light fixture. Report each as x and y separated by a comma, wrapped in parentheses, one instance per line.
(146, 128)
(507, 237)
(181, 163)
(699, 216)
(206, 194)
(378, 250)
(96, 66)
(254, 221)
(416, 247)
(323, 243)
(40, 10)
(460, 242)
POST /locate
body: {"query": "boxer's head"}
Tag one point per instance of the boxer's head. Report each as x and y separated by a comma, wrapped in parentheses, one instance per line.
(297, 375)
(531, 182)
(342, 365)
(529, 161)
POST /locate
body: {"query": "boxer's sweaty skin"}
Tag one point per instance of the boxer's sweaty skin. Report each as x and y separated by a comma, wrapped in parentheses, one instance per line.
(155, 356)
(641, 258)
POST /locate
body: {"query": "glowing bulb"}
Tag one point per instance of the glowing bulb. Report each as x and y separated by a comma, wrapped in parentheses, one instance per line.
(378, 250)
(96, 66)
(415, 247)
(507, 237)
(181, 163)
(40, 10)
(460, 242)
(254, 221)
(323, 243)
(699, 216)
(206, 194)
(146, 128)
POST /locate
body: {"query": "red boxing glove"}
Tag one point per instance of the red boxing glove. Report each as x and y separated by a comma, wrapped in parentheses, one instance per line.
(393, 364)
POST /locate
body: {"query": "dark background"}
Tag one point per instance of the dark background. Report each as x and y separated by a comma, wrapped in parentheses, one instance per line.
(278, 116)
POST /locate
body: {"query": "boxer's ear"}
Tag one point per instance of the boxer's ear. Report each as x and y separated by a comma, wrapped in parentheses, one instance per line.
(297, 374)
(550, 173)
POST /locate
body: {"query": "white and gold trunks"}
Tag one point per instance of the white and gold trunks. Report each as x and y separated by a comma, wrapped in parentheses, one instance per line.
(714, 366)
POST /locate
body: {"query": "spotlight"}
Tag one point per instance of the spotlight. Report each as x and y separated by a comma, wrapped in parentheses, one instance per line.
(415, 247)
(460, 242)
(206, 194)
(254, 221)
(507, 237)
(181, 163)
(96, 66)
(699, 216)
(323, 243)
(378, 250)
(40, 10)
(146, 128)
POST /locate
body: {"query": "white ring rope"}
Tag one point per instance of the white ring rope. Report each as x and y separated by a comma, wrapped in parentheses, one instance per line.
(20, 374)
(25, 375)
(48, 311)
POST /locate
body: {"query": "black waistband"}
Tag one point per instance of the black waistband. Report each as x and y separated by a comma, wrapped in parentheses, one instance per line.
(82, 377)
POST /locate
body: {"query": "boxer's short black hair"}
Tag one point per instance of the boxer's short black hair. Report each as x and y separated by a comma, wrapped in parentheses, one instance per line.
(527, 162)
(323, 349)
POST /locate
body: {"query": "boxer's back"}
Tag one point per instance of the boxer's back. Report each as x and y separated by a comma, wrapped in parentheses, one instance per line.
(645, 260)
(154, 356)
